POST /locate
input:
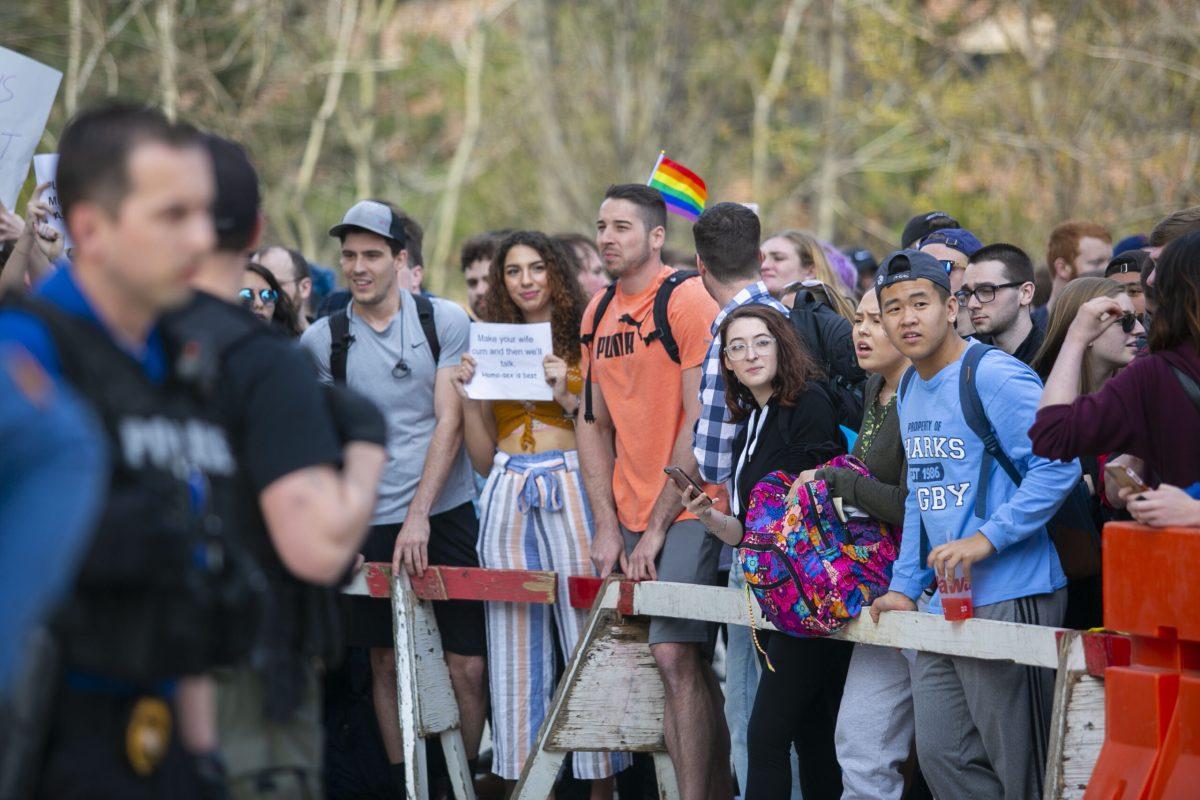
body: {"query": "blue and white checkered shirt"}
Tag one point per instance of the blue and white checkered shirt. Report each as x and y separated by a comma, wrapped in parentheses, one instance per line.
(713, 439)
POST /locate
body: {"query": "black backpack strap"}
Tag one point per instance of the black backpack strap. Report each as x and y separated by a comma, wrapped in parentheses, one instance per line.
(339, 345)
(905, 380)
(977, 420)
(586, 340)
(428, 326)
(1190, 388)
(662, 302)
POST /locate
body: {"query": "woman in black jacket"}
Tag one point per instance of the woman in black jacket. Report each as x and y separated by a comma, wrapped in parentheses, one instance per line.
(773, 385)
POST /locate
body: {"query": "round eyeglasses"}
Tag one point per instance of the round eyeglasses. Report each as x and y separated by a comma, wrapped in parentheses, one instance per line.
(760, 344)
(265, 296)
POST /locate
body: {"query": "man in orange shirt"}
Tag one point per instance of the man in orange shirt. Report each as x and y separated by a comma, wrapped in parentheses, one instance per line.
(645, 404)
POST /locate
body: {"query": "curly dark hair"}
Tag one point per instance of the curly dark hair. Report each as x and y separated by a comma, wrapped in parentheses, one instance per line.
(567, 300)
(794, 366)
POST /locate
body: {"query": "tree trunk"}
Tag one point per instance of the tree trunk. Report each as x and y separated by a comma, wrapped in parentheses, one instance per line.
(764, 100)
(169, 58)
(829, 169)
(436, 266)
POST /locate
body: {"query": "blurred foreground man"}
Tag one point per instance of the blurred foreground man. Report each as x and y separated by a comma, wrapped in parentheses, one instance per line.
(305, 489)
(162, 592)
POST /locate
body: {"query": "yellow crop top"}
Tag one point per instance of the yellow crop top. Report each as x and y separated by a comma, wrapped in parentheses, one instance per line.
(513, 414)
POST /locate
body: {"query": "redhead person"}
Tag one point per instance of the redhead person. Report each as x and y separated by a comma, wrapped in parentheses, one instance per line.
(534, 511)
(875, 724)
(773, 384)
(1144, 410)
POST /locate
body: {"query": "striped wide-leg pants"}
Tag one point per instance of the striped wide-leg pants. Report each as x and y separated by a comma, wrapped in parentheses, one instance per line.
(534, 515)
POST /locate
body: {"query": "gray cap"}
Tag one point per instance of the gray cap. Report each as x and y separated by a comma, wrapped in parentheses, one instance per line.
(373, 217)
(909, 265)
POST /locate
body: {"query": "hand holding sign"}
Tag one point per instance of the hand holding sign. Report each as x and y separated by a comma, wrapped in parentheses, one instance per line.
(45, 169)
(508, 362)
(11, 225)
(40, 216)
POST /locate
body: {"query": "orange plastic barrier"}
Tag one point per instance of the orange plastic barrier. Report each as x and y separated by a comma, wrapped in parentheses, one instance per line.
(1152, 711)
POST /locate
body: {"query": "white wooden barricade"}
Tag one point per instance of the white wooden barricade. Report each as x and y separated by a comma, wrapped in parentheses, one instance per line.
(427, 705)
(611, 697)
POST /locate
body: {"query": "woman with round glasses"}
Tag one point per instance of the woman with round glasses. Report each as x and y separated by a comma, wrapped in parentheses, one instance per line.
(534, 510)
(264, 297)
(790, 424)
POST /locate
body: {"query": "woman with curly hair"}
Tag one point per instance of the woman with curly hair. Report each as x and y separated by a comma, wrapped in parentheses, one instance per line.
(534, 511)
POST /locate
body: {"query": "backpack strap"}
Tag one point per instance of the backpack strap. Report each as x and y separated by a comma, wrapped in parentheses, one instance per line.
(586, 340)
(662, 301)
(1190, 388)
(977, 420)
(339, 345)
(428, 326)
(905, 380)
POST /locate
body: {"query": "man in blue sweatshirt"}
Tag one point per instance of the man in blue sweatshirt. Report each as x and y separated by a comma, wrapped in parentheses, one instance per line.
(981, 725)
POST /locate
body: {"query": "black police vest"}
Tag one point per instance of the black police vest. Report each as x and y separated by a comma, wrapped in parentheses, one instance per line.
(302, 620)
(162, 590)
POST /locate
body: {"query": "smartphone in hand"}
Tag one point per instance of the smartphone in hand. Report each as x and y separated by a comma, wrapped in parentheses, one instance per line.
(1125, 477)
(683, 480)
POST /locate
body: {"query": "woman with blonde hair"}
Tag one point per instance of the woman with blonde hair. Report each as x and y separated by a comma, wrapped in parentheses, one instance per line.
(792, 259)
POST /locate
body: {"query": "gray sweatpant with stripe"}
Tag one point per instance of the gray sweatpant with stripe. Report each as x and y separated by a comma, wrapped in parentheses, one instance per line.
(982, 726)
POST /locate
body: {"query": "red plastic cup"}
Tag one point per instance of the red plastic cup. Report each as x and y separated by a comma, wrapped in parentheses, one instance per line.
(956, 597)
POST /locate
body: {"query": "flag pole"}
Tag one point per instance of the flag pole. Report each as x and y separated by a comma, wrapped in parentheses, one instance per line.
(661, 155)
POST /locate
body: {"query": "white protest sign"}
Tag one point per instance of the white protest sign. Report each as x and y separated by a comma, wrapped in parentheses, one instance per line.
(44, 168)
(27, 90)
(508, 361)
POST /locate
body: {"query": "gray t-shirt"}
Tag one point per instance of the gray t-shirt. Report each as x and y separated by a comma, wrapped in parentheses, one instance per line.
(406, 402)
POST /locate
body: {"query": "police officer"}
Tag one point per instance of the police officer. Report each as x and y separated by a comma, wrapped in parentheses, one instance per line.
(162, 590)
(309, 459)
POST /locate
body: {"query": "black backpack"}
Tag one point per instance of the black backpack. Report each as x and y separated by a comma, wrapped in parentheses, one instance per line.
(340, 338)
(829, 338)
(661, 332)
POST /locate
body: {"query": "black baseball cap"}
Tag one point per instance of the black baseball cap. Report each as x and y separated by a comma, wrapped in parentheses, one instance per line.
(922, 225)
(1129, 261)
(373, 217)
(235, 212)
(910, 265)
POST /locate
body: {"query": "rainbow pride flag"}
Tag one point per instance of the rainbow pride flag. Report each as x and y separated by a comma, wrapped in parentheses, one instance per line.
(682, 189)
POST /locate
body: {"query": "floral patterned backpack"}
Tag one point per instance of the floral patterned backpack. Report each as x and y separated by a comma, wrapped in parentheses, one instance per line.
(810, 571)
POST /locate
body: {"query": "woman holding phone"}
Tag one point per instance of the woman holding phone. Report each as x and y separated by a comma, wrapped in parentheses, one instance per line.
(773, 385)
(533, 511)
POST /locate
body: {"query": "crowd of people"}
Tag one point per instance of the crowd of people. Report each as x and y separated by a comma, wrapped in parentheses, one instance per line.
(202, 439)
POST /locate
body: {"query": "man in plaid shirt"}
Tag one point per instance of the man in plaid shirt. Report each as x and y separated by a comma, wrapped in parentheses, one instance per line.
(727, 237)
(727, 247)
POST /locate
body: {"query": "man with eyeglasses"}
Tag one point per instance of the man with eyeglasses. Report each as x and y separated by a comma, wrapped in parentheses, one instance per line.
(997, 295)
(952, 247)
(401, 351)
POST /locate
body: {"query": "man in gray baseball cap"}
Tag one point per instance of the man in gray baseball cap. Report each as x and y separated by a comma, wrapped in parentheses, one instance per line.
(401, 350)
(374, 217)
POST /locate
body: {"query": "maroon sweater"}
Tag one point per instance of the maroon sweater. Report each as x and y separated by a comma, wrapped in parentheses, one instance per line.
(1142, 411)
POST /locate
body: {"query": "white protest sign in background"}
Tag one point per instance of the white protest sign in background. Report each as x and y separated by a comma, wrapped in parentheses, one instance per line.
(27, 90)
(44, 168)
(508, 361)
